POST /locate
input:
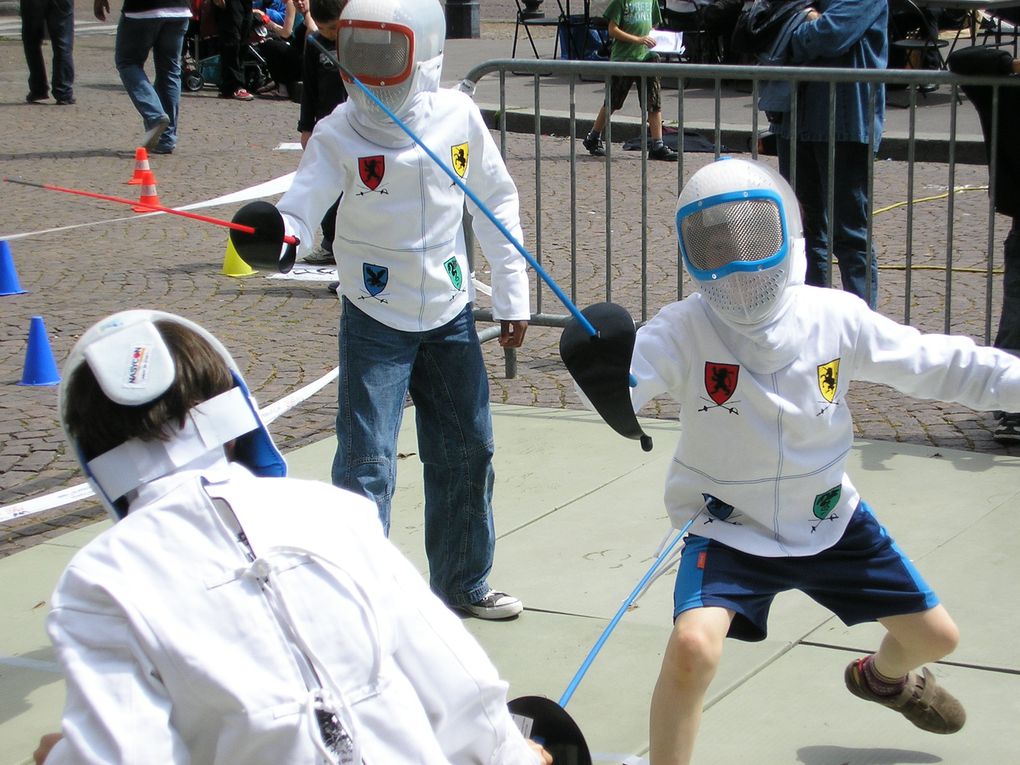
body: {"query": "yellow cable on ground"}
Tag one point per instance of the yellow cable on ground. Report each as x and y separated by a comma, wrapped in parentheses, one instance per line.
(943, 195)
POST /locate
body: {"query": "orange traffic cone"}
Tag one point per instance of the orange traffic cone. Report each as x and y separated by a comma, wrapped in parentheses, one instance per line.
(149, 196)
(141, 167)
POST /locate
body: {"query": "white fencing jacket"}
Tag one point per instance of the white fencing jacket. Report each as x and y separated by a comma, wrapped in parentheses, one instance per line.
(399, 246)
(177, 648)
(765, 426)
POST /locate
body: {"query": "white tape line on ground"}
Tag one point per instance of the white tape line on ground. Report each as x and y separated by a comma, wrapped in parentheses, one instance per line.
(267, 189)
(288, 402)
(45, 502)
(83, 491)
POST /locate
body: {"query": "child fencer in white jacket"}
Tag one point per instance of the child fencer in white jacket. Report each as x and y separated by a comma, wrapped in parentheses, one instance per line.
(230, 616)
(407, 296)
(760, 364)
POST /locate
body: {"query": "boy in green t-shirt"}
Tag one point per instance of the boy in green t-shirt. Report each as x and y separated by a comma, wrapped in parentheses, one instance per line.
(630, 22)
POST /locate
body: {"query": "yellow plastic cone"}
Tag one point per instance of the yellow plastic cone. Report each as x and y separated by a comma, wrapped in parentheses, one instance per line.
(233, 265)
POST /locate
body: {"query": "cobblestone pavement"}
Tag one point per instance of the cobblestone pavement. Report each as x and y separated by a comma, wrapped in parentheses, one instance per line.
(90, 258)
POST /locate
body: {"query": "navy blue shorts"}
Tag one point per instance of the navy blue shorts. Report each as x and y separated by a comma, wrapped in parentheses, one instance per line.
(863, 577)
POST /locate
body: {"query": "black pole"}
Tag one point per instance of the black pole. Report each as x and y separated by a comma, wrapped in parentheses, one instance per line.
(463, 19)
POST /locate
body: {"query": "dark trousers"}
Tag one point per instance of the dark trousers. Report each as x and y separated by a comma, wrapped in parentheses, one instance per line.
(283, 57)
(233, 26)
(56, 17)
(1008, 335)
(329, 225)
(858, 268)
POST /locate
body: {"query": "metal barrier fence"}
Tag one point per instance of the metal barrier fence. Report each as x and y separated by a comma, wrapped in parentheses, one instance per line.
(932, 222)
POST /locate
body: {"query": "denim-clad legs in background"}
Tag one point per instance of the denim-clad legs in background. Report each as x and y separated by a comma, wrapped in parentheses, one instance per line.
(164, 37)
(57, 17)
(851, 209)
(444, 372)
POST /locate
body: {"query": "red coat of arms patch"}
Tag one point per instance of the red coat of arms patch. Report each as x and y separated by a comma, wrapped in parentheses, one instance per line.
(371, 170)
(721, 381)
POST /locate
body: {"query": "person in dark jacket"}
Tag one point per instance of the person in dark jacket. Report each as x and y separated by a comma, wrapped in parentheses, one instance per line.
(156, 27)
(845, 34)
(1005, 190)
(322, 92)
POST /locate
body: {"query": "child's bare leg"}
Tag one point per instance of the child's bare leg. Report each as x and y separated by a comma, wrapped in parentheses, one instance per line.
(915, 639)
(889, 677)
(692, 656)
(655, 125)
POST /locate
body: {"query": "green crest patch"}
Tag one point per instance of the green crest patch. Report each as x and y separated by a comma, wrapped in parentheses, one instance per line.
(453, 271)
(826, 501)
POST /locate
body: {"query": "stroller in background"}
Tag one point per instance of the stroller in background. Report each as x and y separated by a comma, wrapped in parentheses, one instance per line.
(200, 59)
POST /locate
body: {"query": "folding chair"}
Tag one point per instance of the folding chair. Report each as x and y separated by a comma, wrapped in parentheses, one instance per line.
(915, 33)
(527, 19)
(704, 45)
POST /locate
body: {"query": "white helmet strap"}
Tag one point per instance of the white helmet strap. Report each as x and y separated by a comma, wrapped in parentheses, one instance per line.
(208, 426)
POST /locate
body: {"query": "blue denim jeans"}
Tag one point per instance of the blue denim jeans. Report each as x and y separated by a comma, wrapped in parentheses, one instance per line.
(164, 37)
(858, 268)
(57, 18)
(1008, 334)
(444, 372)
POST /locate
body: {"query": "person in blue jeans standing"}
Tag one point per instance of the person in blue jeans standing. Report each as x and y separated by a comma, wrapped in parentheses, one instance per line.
(55, 17)
(846, 34)
(407, 324)
(157, 27)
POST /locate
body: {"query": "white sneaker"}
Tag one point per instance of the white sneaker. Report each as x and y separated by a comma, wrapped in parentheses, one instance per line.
(495, 605)
(152, 135)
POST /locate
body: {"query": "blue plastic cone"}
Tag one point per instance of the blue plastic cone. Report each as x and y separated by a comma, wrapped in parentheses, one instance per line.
(9, 284)
(40, 369)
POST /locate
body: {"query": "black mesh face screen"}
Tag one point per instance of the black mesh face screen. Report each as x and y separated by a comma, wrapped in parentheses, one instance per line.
(746, 230)
(374, 55)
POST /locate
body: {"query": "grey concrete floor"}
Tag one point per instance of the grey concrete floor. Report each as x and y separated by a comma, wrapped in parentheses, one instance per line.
(579, 519)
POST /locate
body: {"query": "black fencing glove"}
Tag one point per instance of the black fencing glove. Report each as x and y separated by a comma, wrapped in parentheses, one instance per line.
(265, 248)
(553, 728)
(600, 365)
